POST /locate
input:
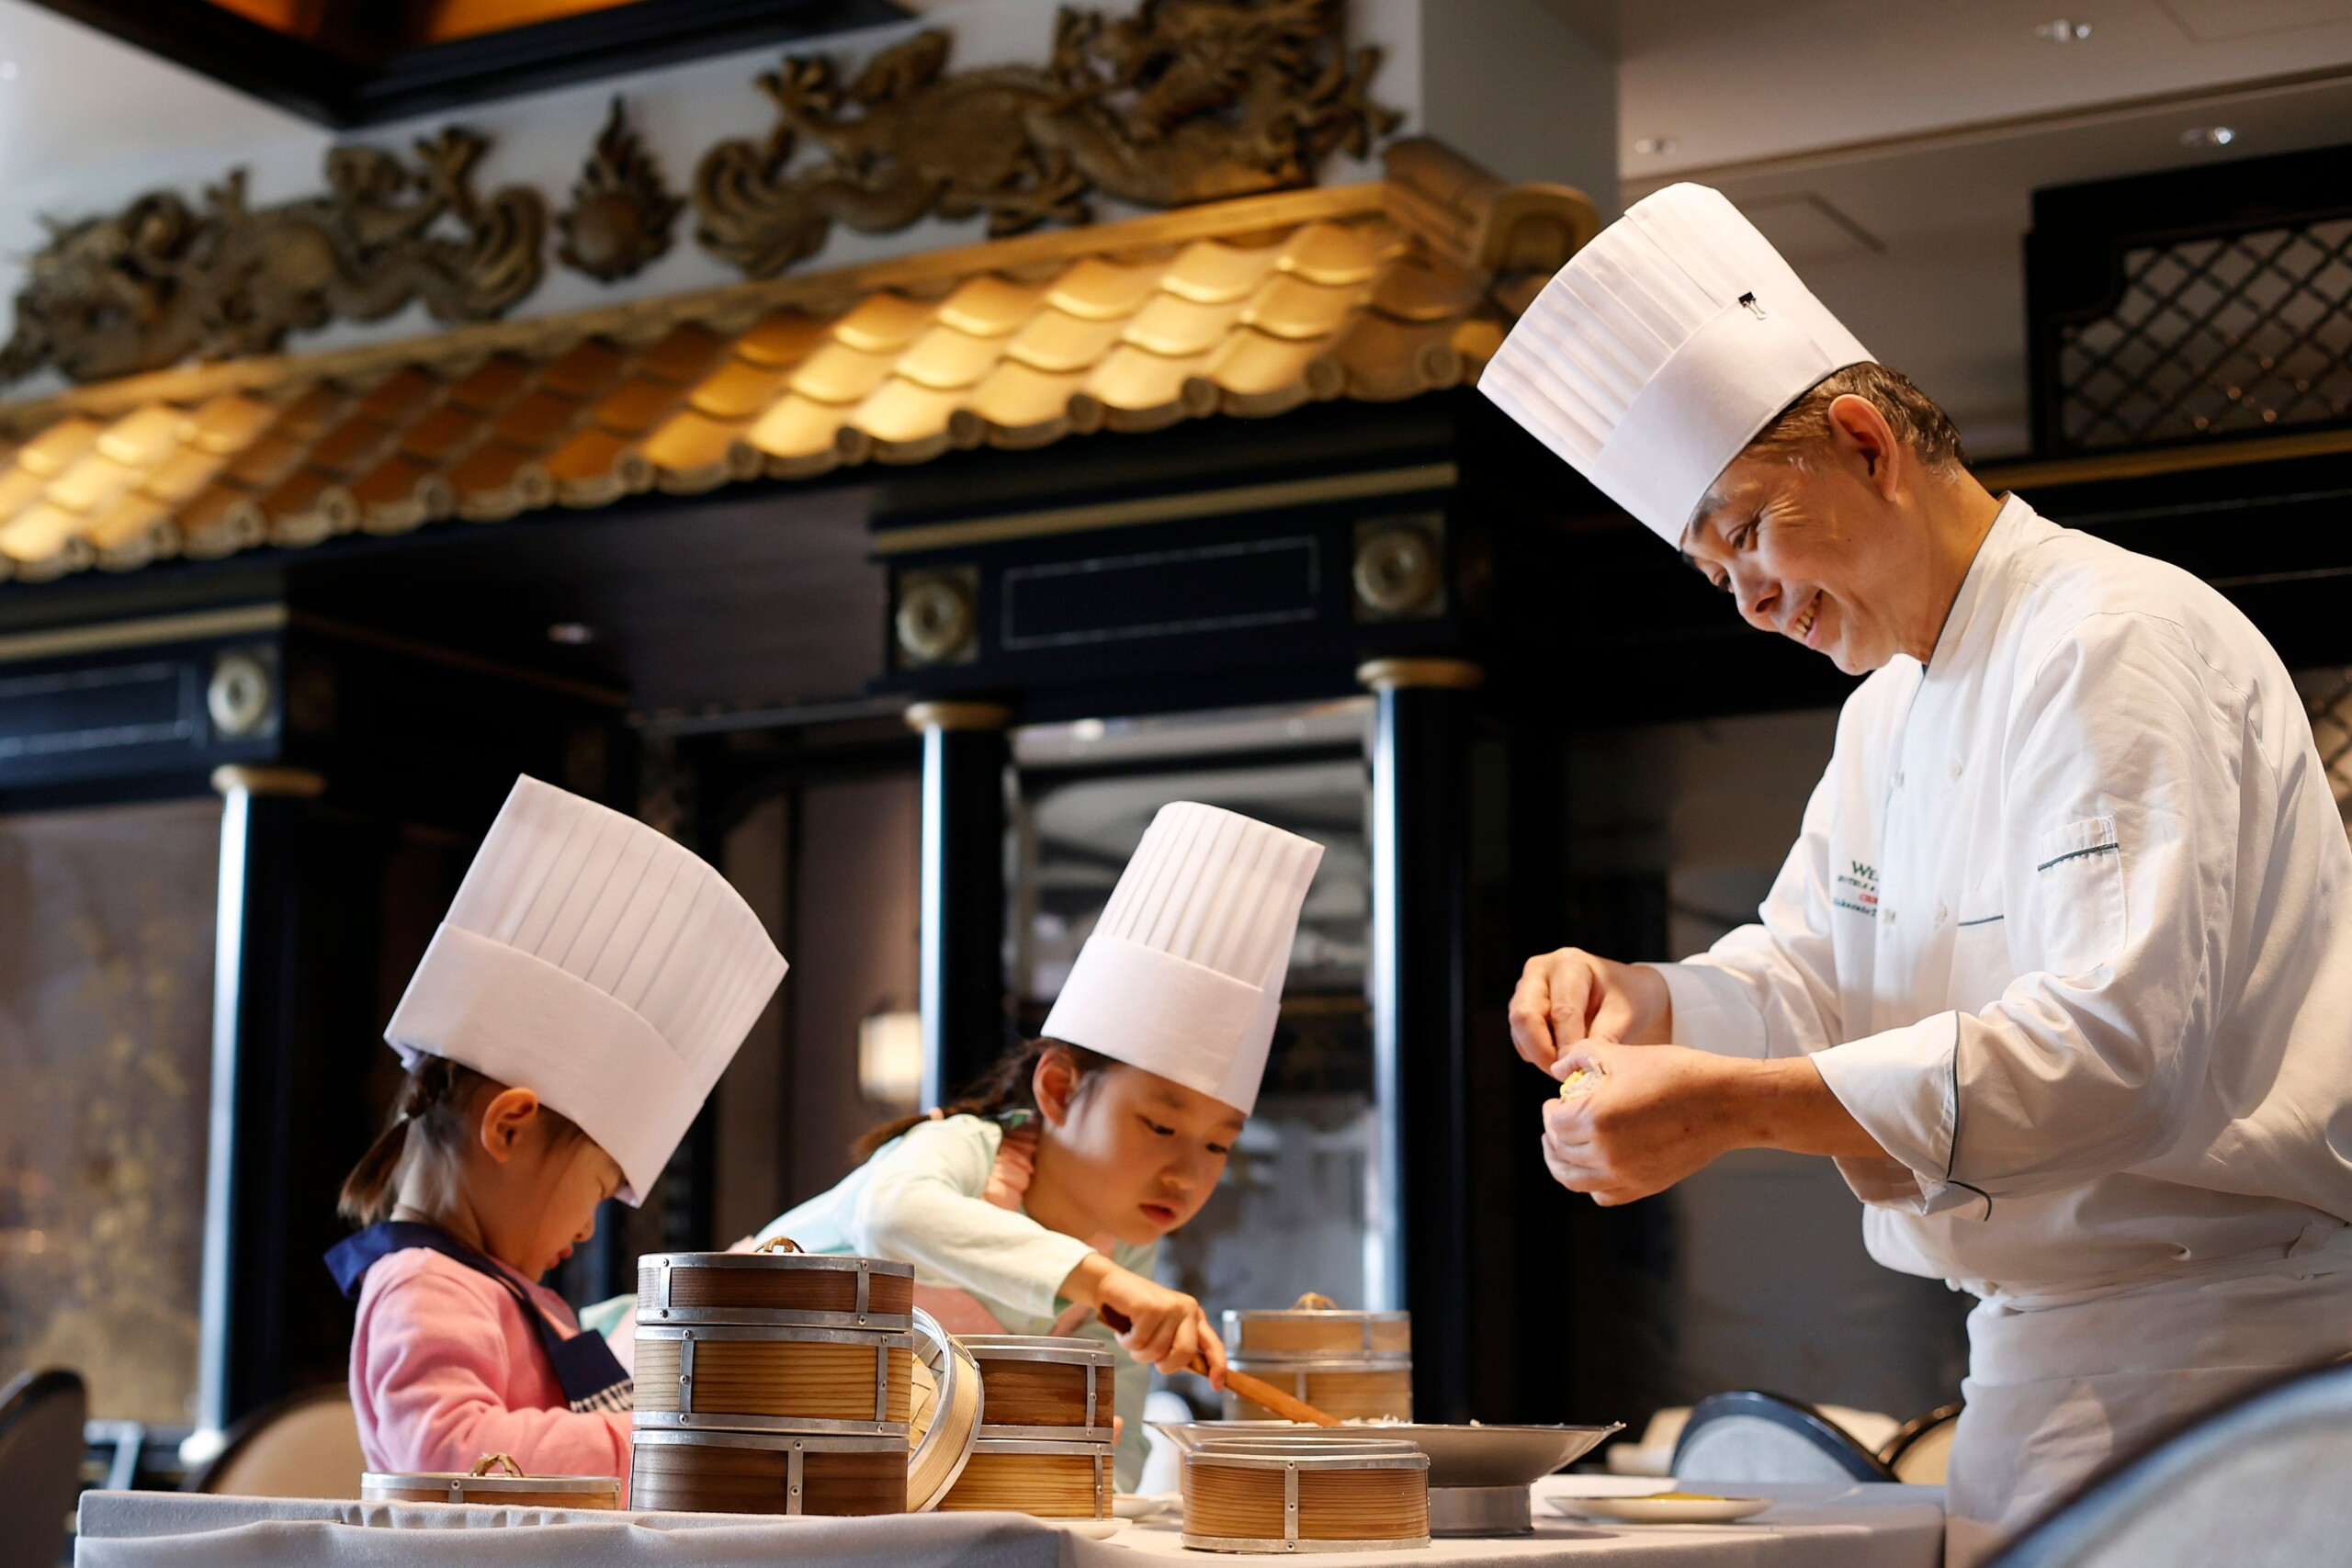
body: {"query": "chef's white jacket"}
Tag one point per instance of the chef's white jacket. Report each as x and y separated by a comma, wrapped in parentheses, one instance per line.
(2067, 931)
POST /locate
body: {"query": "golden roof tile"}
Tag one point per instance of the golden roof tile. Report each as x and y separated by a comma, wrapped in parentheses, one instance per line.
(989, 306)
(143, 436)
(783, 337)
(637, 404)
(1210, 272)
(883, 322)
(945, 358)
(797, 433)
(57, 448)
(1056, 342)
(1099, 289)
(686, 353)
(584, 369)
(229, 422)
(1335, 256)
(491, 385)
(840, 373)
(741, 388)
(1179, 329)
(694, 453)
(95, 483)
(1290, 308)
(1249, 307)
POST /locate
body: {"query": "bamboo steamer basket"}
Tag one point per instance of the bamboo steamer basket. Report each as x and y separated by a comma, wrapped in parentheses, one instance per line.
(1357, 1366)
(1043, 1388)
(777, 1286)
(1306, 1494)
(1050, 1480)
(768, 1472)
(774, 1378)
(497, 1480)
(944, 1412)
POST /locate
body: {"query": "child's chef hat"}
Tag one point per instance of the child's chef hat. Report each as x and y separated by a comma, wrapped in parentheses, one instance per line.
(598, 963)
(1182, 976)
(1660, 350)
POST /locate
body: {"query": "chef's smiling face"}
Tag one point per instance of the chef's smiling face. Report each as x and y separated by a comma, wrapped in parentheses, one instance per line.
(1141, 1152)
(1820, 549)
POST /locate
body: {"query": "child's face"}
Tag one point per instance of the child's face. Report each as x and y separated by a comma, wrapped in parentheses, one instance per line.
(1143, 1152)
(540, 1200)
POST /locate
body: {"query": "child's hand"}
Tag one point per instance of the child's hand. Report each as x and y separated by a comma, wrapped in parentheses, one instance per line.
(1165, 1327)
(1016, 1163)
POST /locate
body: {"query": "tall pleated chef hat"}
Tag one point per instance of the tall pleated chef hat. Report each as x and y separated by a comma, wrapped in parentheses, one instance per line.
(1660, 350)
(1182, 976)
(598, 963)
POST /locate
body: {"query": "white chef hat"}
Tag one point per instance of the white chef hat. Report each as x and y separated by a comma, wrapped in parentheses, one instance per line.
(1660, 350)
(597, 962)
(1182, 976)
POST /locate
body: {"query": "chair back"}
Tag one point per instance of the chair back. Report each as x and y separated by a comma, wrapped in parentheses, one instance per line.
(2259, 1484)
(41, 1463)
(1751, 1437)
(306, 1445)
(1920, 1451)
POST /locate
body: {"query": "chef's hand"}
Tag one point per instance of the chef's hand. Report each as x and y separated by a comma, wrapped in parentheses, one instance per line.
(1566, 997)
(1165, 1327)
(1650, 1118)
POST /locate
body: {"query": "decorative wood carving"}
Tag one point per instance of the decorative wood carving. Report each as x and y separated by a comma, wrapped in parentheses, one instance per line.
(162, 280)
(622, 215)
(1185, 101)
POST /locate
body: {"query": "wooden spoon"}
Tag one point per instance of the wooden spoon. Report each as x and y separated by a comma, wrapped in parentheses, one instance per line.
(1255, 1390)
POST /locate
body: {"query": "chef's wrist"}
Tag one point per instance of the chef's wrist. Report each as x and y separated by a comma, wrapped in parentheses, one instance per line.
(1083, 1286)
(1785, 1103)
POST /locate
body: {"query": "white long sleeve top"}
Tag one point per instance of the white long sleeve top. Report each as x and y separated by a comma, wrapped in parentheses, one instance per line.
(919, 1199)
(2068, 930)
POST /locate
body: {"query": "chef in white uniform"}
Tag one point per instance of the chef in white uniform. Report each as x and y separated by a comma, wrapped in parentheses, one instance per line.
(2059, 968)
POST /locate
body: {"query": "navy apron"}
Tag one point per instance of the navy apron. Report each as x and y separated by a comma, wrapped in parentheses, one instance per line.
(584, 1365)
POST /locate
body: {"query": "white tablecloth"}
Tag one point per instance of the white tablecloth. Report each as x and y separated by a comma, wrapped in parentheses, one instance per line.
(1815, 1526)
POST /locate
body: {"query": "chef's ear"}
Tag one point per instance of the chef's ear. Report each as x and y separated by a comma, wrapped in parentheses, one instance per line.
(1859, 432)
(506, 1117)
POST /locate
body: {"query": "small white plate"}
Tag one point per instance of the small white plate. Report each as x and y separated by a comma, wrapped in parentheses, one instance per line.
(1654, 1510)
(1134, 1505)
(1092, 1530)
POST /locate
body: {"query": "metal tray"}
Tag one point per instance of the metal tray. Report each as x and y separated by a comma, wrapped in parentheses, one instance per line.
(1459, 1455)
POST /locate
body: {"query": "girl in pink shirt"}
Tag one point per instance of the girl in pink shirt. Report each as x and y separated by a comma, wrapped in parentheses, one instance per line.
(589, 983)
(473, 1192)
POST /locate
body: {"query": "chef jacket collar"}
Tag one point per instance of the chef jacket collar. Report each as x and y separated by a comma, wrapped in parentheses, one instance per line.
(2000, 542)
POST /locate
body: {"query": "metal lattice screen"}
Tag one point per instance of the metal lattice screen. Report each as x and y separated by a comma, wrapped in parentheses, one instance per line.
(2327, 696)
(2213, 336)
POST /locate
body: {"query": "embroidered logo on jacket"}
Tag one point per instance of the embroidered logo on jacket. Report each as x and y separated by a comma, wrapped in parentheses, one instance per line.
(1857, 889)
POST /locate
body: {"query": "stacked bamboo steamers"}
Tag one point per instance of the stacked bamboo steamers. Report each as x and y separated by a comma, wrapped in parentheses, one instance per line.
(780, 1382)
(1044, 1444)
(1357, 1366)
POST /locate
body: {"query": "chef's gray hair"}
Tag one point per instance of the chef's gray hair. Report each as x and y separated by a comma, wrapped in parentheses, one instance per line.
(1803, 428)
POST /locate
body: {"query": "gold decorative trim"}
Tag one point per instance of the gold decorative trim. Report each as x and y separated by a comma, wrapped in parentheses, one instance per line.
(622, 211)
(1163, 509)
(21, 646)
(1403, 675)
(958, 716)
(300, 784)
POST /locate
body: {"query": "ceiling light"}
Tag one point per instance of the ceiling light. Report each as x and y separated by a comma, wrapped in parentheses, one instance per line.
(1654, 146)
(571, 634)
(2208, 136)
(2062, 30)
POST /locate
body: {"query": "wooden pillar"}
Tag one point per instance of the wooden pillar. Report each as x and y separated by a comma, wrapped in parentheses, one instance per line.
(965, 753)
(1420, 1008)
(265, 832)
